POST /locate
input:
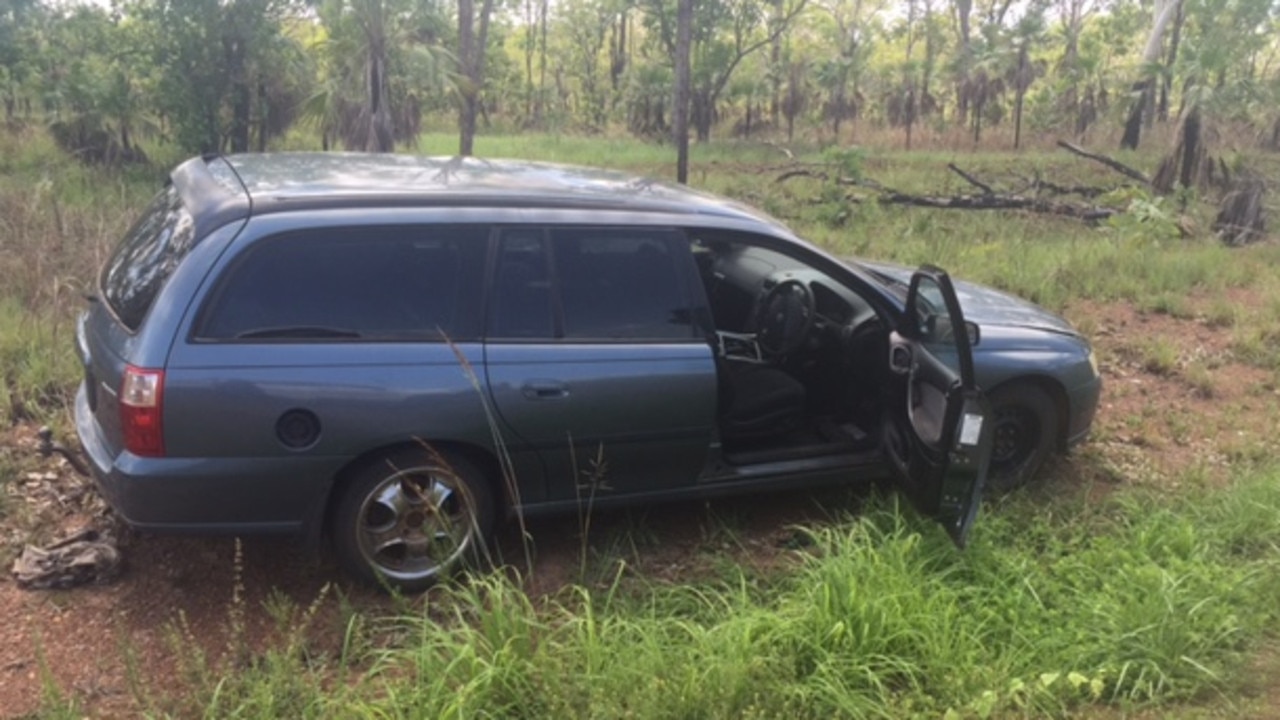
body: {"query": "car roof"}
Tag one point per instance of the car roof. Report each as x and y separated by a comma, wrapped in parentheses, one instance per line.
(280, 182)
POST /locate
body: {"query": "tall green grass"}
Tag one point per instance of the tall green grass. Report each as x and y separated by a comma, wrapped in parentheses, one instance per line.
(1056, 606)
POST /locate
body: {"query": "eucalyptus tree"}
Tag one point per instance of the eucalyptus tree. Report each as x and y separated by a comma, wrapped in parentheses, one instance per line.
(534, 15)
(722, 34)
(585, 24)
(1141, 101)
(473, 39)
(681, 94)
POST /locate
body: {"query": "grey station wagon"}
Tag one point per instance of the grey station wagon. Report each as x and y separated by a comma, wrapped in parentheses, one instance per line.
(395, 352)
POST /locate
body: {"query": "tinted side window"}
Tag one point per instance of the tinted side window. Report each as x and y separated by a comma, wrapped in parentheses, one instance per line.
(372, 283)
(617, 284)
(590, 284)
(146, 257)
(522, 299)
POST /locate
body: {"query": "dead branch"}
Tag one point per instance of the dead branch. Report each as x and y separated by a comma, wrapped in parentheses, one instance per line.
(800, 172)
(1088, 213)
(1039, 185)
(985, 188)
(1109, 162)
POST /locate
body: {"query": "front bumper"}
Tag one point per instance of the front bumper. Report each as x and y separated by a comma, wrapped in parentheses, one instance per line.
(1082, 402)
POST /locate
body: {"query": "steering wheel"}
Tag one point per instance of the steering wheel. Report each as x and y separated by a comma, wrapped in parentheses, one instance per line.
(785, 317)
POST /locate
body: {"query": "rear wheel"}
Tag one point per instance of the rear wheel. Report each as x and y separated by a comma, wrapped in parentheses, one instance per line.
(412, 517)
(1026, 432)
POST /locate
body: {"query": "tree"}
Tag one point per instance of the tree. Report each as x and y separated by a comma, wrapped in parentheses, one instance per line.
(1141, 91)
(18, 22)
(380, 59)
(587, 23)
(1022, 72)
(211, 58)
(95, 87)
(680, 95)
(723, 33)
(839, 76)
(472, 44)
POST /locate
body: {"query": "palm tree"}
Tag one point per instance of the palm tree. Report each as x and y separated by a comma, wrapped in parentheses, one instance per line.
(378, 59)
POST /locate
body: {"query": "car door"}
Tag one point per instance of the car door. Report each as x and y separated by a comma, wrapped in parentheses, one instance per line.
(938, 431)
(594, 362)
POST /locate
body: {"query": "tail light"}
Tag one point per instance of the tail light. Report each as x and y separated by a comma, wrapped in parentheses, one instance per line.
(141, 394)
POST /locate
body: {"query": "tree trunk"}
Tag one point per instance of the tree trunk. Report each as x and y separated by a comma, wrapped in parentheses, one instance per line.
(680, 99)
(1143, 88)
(467, 109)
(539, 108)
(530, 46)
(702, 113)
(471, 50)
(618, 52)
(1133, 124)
(1166, 81)
(264, 116)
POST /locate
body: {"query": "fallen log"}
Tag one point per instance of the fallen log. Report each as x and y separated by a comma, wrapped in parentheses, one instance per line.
(1088, 213)
(1039, 185)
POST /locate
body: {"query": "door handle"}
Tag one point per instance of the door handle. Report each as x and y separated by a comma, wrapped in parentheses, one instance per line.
(545, 390)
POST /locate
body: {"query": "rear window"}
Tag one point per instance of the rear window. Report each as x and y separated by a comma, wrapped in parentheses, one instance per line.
(145, 258)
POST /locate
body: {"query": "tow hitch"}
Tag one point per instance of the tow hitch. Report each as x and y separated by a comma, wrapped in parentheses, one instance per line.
(47, 448)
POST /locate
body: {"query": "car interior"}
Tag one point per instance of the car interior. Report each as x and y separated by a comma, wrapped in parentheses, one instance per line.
(800, 357)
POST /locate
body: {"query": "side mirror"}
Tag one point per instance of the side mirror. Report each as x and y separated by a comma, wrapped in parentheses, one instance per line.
(971, 329)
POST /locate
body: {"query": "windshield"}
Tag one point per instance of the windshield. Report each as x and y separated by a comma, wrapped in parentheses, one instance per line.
(146, 256)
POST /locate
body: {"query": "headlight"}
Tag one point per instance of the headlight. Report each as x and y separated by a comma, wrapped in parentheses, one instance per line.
(1093, 361)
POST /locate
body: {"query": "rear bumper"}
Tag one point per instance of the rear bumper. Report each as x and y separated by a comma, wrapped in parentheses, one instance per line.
(206, 495)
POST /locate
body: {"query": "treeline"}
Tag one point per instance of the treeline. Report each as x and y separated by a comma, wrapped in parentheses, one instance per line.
(230, 75)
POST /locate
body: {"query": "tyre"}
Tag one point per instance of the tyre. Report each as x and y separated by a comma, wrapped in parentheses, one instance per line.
(1026, 433)
(411, 517)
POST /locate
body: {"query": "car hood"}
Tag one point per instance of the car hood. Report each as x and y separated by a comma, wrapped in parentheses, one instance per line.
(984, 305)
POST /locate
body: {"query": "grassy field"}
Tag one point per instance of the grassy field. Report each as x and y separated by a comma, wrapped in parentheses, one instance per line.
(1147, 590)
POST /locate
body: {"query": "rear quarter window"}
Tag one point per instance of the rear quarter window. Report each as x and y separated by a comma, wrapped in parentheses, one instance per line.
(145, 258)
(416, 283)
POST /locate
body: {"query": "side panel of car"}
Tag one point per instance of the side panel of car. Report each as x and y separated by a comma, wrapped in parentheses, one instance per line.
(607, 419)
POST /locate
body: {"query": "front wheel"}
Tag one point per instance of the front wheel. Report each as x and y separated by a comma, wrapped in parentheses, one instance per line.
(411, 517)
(1026, 432)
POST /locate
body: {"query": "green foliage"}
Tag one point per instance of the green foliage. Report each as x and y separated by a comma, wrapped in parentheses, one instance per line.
(1055, 607)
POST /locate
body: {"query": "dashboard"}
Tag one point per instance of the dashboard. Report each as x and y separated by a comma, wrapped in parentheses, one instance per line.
(737, 277)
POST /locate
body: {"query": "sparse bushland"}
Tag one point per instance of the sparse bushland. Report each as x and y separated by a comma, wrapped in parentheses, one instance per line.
(1061, 603)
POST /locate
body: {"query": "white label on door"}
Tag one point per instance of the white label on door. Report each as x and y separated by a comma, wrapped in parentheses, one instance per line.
(970, 429)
